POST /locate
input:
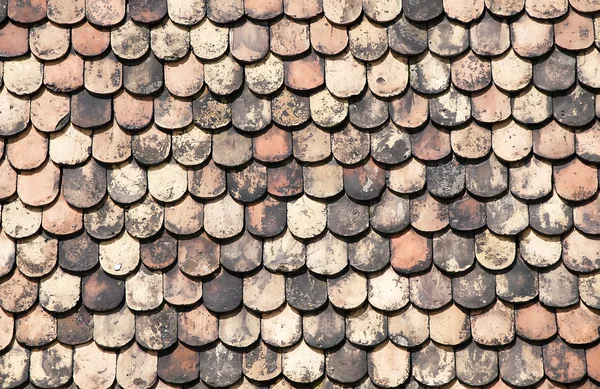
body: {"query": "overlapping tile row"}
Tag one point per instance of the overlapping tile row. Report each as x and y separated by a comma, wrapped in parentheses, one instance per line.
(264, 193)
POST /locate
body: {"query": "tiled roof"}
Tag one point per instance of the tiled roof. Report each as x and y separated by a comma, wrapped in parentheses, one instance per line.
(299, 193)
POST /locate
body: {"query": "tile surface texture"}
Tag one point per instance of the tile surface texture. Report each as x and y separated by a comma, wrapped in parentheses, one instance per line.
(299, 193)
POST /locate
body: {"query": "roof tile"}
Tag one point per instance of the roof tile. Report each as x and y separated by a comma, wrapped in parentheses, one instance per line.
(476, 365)
(327, 255)
(61, 219)
(143, 289)
(585, 216)
(14, 113)
(387, 290)
(408, 327)
(587, 65)
(449, 326)
(521, 364)
(89, 40)
(197, 326)
(407, 36)
(75, 327)
(61, 357)
(471, 72)
(101, 292)
(389, 365)
(156, 330)
(290, 109)
(563, 363)
(281, 327)
(35, 328)
(531, 178)
(143, 76)
(220, 366)
(227, 12)
(554, 141)
(261, 362)
(65, 12)
(453, 251)
(558, 287)
(305, 291)
(574, 31)
(535, 322)
(71, 145)
(313, 327)
(36, 255)
(147, 11)
(114, 329)
(40, 186)
(224, 76)
(511, 141)
(93, 366)
(390, 214)
(433, 365)
(448, 38)
(476, 289)
(302, 363)
(368, 41)
(555, 72)
(13, 40)
(430, 290)
(130, 40)
(179, 289)
(49, 41)
(239, 328)
(27, 150)
(348, 291)
(551, 217)
(283, 253)
(576, 324)
(302, 9)
(145, 218)
(411, 252)
(304, 73)
(20, 220)
(8, 183)
(446, 180)
(346, 355)
(136, 366)
(528, 44)
(59, 292)
(538, 249)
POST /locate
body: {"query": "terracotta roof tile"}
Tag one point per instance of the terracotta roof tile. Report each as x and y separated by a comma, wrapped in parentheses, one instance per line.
(15, 363)
(475, 289)
(558, 287)
(261, 363)
(408, 327)
(75, 327)
(242, 254)
(290, 109)
(563, 363)
(331, 263)
(449, 326)
(387, 374)
(124, 328)
(56, 354)
(156, 330)
(521, 363)
(20, 220)
(89, 40)
(104, 221)
(476, 365)
(102, 292)
(527, 44)
(65, 12)
(302, 363)
(490, 36)
(281, 327)
(130, 40)
(585, 142)
(453, 251)
(13, 40)
(49, 41)
(136, 362)
(302, 9)
(433, 364)
(150, 67)
(31, 140)
(197, 326)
